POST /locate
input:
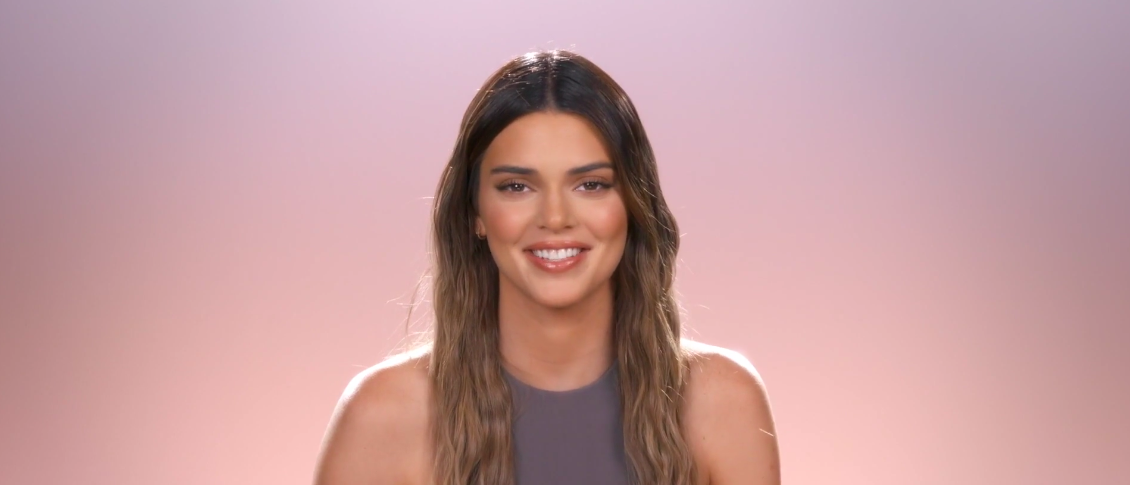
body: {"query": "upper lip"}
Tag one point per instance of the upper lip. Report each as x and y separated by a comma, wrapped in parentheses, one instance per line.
(556, 245)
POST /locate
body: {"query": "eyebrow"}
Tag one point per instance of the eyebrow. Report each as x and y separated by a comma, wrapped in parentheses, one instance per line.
(514, 169)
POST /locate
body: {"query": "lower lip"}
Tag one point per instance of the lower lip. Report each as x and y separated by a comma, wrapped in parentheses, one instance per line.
(556, 266)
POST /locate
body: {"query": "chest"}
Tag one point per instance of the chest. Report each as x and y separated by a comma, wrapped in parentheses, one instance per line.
(569, 438)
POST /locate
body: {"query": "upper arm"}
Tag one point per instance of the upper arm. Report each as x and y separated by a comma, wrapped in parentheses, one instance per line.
(730, 423)
(374, 434)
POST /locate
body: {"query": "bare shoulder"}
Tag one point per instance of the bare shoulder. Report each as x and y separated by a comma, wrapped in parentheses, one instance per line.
(729, 422)
(723, 381)
(378, 431)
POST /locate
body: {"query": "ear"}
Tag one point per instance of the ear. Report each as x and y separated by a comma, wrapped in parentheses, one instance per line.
(480, 228)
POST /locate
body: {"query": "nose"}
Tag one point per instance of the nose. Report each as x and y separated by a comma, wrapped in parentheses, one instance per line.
(555, 214)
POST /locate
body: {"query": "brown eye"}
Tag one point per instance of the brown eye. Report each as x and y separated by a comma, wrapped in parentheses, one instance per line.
(512, 187)
(594, 185)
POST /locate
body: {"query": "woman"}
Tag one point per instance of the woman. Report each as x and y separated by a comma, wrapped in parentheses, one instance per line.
(557, 355)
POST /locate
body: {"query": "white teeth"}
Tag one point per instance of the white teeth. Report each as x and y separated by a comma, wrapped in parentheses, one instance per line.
(556, 254)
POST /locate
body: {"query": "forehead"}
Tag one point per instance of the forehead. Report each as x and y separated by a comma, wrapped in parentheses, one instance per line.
(547, 139)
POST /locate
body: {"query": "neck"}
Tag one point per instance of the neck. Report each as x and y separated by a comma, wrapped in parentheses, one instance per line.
(555, 349)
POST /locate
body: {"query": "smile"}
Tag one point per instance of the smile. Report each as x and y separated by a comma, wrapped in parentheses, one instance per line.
(556, 254)
(556, 258)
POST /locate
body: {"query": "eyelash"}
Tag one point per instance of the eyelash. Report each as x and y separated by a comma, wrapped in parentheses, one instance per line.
(600, 184)
(505, 186)
(508, 185)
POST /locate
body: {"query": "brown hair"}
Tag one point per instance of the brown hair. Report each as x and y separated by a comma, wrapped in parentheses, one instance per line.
(471, 398)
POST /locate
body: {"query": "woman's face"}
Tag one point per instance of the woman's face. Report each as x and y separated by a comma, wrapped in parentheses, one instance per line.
(549, 207)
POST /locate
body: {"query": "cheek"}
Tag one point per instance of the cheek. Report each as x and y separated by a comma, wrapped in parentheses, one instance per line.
(609, 221)
(504, 222)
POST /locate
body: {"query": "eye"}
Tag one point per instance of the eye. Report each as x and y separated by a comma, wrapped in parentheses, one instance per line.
(512, 186)
(594, 185)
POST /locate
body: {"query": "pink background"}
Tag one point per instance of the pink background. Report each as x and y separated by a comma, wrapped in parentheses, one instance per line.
(913, 218)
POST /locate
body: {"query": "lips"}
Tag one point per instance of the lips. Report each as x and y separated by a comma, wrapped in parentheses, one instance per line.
(557, 245)
(557, 256)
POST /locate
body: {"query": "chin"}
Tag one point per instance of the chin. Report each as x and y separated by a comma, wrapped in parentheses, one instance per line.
(557, 298)
(556, 292)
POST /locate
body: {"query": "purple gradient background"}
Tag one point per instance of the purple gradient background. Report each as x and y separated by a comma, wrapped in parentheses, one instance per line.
(913, 218)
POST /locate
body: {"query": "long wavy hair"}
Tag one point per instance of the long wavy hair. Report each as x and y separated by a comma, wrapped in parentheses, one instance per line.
(471, 398)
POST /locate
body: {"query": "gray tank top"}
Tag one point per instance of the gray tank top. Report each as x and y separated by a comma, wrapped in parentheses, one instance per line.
(569, 437)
